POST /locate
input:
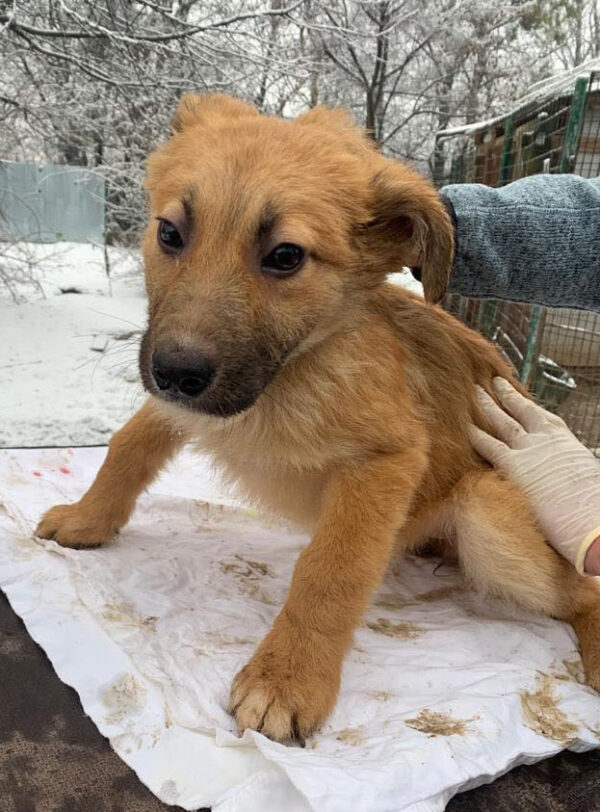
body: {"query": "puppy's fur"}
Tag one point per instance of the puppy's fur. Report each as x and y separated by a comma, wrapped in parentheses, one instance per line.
(340, 401)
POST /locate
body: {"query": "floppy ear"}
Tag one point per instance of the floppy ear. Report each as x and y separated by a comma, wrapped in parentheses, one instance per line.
(197, 108)
(408, 214)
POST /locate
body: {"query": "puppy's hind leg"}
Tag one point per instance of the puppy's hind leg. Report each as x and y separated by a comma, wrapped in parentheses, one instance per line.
(135, 456)
(503, 552)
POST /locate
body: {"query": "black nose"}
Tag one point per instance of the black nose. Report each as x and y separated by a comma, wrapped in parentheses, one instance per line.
(181, 372)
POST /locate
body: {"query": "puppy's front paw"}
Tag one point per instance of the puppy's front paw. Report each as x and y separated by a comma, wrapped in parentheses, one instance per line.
(286, 691)
(72, 526)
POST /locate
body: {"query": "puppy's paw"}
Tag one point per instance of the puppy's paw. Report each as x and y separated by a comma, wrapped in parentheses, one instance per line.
(72, 526)
(283, 693)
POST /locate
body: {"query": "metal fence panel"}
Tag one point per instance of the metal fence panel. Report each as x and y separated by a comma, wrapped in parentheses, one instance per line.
(50, 203)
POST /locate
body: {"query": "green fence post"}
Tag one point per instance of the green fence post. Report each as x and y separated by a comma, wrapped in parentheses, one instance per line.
(506, 168)
(574, 123)
(531, 347)
(488, 321)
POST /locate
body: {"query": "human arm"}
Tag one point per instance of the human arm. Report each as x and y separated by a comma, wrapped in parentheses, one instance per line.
(559, 475)
(534, 240)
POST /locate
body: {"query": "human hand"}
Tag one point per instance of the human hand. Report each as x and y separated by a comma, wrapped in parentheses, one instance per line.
(560, 476)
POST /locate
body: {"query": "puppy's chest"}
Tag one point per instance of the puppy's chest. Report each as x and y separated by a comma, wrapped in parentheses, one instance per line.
(290, 489)
(277, 464)
(277, 436)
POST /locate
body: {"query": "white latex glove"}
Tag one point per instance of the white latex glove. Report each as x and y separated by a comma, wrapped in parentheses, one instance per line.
(560, 476)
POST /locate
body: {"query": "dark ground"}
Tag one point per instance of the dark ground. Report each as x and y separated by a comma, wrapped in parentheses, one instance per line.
(52, 758)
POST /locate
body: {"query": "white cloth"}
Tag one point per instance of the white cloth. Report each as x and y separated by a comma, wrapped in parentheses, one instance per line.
(443, 689)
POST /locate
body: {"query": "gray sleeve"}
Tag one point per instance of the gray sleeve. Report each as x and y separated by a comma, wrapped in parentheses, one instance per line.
(535, 240)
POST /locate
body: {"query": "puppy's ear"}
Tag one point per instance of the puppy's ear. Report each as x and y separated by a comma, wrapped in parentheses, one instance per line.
(321, 116)
(196, 108)
(341, 124)
(408, 215)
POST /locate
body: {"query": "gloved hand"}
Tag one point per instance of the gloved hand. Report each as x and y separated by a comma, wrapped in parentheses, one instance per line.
(559, 475)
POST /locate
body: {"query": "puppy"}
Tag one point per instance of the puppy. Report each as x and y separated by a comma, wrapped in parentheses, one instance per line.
(325, 394)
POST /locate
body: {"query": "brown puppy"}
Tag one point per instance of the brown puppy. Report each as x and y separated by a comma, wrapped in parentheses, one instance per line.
(324, 393)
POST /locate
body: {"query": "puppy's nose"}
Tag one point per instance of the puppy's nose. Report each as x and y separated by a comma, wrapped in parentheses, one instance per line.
(181, 372)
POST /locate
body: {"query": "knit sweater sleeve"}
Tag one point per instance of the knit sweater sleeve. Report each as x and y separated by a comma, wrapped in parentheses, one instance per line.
(535, 240)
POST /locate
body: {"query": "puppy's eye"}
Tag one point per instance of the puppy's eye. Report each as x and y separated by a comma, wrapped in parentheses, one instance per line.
(284, 260)
(169, 238)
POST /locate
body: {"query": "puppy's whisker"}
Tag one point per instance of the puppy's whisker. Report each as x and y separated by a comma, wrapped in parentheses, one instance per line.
(278, 403)
(117, 318)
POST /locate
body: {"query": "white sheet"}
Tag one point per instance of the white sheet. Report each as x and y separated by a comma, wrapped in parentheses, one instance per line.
(442, 691)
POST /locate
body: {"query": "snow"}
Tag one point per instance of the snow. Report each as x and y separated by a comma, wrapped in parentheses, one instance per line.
(407, 281)
(68, 362)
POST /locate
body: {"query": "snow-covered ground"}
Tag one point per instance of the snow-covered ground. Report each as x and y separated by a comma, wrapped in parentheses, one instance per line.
(68, 362)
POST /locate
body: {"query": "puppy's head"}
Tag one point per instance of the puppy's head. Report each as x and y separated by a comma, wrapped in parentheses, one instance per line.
(264, 237)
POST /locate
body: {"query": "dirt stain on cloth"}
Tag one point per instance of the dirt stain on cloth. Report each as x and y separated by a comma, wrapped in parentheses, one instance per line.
(125, 614)
(542, 714)
(440, 594)
(401, 630)
(392, 601)
(123, 697)
(249, 574)
(569, 671)
(575, 669)
(244, 569)
(380, 696)
(353, 736)
(438, 723)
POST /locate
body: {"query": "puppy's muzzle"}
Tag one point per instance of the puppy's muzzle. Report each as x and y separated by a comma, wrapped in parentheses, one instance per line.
(181, 373)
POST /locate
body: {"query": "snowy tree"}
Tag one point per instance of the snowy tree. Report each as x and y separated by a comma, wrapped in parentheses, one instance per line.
(94, 82)
(569, 28)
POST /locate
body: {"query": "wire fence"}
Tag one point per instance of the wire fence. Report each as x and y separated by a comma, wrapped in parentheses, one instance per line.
(555, 351)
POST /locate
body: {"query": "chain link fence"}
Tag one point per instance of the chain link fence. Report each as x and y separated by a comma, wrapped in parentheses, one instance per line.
(554, 129)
